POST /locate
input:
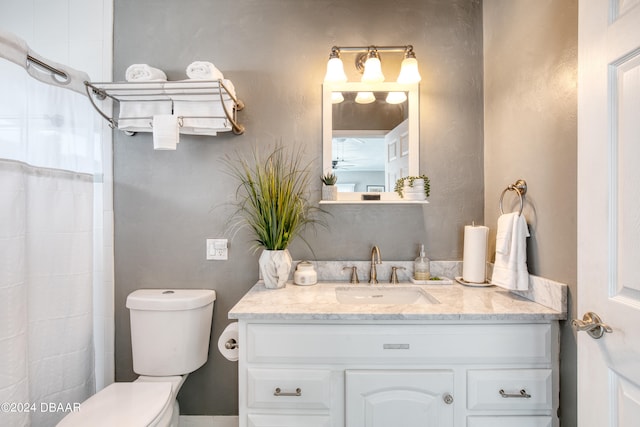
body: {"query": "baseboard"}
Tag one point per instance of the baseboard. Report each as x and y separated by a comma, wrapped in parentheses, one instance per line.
(208, 421)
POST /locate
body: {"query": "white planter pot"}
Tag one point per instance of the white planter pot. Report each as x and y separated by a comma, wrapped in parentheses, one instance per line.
(414, 193)
(274, 268)
(329, 192)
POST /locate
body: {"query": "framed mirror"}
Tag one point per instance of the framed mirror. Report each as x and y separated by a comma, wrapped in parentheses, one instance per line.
(370, 140)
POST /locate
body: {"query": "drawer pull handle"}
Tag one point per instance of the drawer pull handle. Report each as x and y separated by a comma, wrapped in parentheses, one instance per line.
(395, 346)
(278, 392)
(522, 395)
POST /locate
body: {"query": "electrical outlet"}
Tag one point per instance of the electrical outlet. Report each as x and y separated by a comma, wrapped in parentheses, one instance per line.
(217, 249)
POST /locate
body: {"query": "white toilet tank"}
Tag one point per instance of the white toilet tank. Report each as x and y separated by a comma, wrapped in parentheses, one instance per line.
(170, 330)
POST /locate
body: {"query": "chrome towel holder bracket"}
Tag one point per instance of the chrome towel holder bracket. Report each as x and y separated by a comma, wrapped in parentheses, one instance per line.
(520, 187)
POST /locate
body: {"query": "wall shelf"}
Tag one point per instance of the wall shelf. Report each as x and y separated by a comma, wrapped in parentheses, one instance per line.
(211, 105)
(374, 202)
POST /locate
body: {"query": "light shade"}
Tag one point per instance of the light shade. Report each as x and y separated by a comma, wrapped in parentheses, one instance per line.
(372, 69)
(409, 71)
(365, 97)
(396, 97)
(336, 97)
(335, 71)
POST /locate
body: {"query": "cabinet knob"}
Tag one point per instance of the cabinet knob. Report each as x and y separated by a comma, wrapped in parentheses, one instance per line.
(448, 399)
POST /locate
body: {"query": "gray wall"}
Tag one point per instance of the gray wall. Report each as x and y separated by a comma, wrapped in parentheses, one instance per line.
(530, 69)
(275, 51)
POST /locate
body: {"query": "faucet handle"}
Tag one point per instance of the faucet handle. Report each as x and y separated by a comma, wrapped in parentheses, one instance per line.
(394, 274)
(354, 274)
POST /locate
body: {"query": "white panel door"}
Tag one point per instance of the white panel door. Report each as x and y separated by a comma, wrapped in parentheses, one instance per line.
(412, 398)
(397, 155)
(609, 211)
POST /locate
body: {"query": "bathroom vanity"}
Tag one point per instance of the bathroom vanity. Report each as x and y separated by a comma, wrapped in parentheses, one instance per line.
(336, 354)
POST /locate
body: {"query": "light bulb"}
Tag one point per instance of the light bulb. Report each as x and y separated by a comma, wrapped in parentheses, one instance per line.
(335, 71)
(336, 97)
(409, 71)
(365, 97)
(396, 97)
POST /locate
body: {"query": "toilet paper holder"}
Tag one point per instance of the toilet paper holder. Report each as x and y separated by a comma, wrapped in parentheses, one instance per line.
(231, 344)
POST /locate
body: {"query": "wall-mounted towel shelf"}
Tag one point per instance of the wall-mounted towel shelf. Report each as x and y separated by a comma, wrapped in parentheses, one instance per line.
(204, 106)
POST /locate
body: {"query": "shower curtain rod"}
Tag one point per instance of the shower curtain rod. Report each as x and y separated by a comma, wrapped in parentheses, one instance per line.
(16, 50)
(47, 67)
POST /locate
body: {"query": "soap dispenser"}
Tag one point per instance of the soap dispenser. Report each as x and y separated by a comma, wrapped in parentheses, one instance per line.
(421, 268)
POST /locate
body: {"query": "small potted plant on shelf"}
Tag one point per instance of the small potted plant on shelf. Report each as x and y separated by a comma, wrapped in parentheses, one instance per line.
(273, 202)
(413, 187)
(329, 188)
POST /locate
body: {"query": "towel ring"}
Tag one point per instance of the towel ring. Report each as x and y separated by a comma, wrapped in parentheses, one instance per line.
(520, 187)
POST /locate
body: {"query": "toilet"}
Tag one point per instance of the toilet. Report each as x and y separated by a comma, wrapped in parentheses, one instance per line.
(170, 331)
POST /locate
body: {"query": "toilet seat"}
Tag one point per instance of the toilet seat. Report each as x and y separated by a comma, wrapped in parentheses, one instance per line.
(136, 404)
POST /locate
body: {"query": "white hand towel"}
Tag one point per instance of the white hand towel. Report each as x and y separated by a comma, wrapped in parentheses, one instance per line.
(203, 70)
(166, 132)
(503, 235)
(144, 72)
(510, 267)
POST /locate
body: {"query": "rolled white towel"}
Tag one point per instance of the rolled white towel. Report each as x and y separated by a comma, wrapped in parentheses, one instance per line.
(203, 70)
(144, 72)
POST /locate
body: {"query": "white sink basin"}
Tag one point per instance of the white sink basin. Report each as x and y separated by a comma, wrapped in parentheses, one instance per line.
(383, 295)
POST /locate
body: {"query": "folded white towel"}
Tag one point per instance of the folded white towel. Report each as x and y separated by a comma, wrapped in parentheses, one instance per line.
(166, 132)
(203, 117)
(203, 70)
(191, 90)
(510, 267)
(136, 116)
(144, 72)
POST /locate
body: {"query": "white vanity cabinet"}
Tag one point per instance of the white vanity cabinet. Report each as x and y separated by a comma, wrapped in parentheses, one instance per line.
(364, 373)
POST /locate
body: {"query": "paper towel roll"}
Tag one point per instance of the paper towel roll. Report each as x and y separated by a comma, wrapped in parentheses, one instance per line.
(474, 262)
(230, 334)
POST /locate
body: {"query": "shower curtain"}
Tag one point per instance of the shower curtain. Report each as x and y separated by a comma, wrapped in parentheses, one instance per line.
(50, 210)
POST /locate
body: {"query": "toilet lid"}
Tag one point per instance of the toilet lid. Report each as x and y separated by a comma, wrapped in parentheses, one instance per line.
(135, 404)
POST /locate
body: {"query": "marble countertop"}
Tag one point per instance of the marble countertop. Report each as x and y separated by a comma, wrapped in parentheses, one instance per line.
(456, 302)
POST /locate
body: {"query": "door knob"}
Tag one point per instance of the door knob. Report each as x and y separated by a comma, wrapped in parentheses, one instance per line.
(592, 324)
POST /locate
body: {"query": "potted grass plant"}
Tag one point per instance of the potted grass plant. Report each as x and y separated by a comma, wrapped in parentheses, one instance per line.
(329, 188)
(273, 202)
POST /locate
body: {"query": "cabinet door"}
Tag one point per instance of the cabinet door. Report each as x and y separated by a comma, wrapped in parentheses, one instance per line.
(409, 398)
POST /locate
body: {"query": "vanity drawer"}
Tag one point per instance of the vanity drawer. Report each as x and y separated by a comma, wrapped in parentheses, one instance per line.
(441, 343)
(509, 421)
(260, 420)
(484, 389)
(289, 388)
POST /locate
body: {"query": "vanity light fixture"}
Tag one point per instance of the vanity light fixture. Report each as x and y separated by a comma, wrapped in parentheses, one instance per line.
(409, 68)
(368, 63)
(335, 68)
(372, 67)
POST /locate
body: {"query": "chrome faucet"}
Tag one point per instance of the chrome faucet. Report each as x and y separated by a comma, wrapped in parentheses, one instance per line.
(373, 274)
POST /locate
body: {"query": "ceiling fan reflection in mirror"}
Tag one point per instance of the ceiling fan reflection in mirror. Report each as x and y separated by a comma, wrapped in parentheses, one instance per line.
(341, 164)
